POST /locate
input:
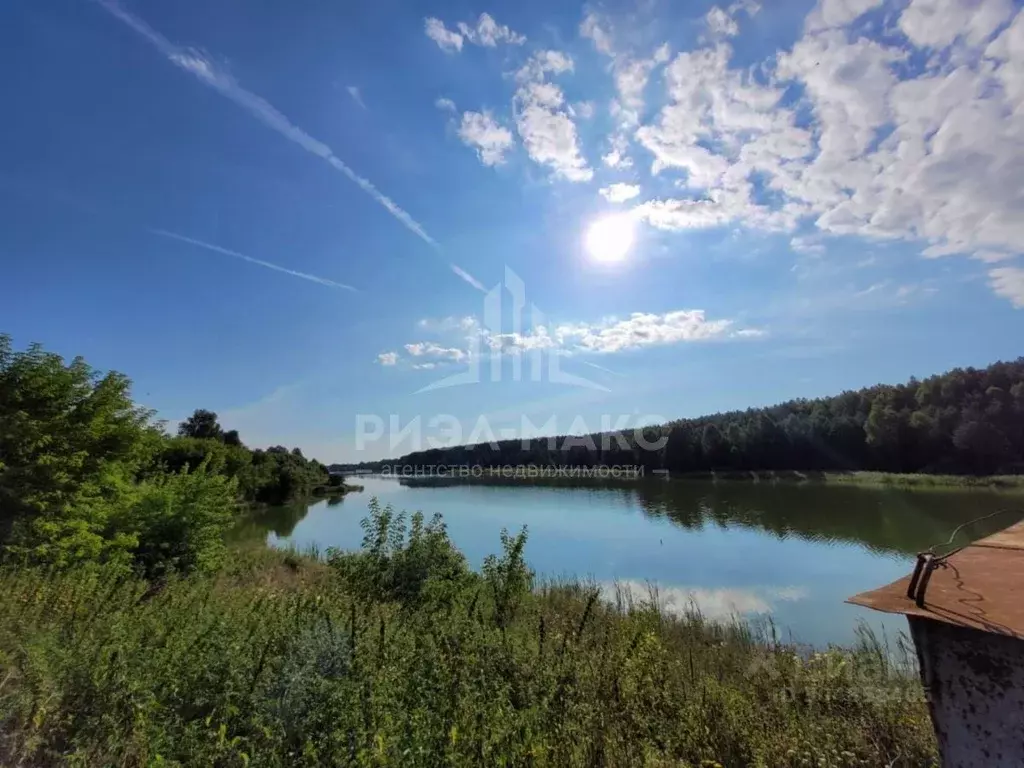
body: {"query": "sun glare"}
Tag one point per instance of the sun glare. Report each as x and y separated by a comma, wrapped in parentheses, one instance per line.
(610, 238)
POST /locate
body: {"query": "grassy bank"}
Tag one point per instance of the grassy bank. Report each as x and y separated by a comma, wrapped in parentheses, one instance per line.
(869, 479)
(399, 655)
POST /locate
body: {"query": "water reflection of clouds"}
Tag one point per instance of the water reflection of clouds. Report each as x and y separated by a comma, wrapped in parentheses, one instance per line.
(723, 603)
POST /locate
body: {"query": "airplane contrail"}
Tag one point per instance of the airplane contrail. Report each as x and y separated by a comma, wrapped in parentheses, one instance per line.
(200, 66)
(250, 259)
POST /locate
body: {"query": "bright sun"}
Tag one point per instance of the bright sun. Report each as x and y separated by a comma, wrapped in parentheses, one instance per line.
(610, 238)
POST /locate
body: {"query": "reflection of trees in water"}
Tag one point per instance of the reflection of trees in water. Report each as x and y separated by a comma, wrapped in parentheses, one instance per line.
(281, 521)
(889, 521)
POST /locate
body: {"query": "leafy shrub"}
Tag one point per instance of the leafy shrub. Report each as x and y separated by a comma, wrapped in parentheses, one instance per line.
(508, 577)
(399, 561)
(178, 521)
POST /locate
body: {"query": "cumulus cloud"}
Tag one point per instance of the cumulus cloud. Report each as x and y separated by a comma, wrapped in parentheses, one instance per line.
(721, 23)
(619, 193)
(594, 28)
(829, 14)
(937, 23)
(631, 77)
(490, 139)
(583, 109)
(544, 124)
(617, 156)
(917, 135)
(429, 349)
(388, 358)
(447, 40)
(489, 33)
(1008, 282)
(643, 329)
(545, 62)
(674, 215)
(606, 336)
(445, 105)
(485, 32)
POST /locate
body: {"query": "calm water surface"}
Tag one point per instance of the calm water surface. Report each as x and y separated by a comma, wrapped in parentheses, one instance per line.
(791, 553)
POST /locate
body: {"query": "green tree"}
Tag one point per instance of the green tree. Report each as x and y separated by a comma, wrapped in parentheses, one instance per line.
(70, 441)
(202, 424)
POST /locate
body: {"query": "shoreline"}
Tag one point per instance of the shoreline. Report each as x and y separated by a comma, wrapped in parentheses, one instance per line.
(858, 478)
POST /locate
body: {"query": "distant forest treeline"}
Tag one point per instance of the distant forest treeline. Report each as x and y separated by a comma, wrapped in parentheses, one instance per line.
(966, 421)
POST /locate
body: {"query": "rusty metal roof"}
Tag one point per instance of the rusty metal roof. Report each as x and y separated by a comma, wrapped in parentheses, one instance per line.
(980, 586)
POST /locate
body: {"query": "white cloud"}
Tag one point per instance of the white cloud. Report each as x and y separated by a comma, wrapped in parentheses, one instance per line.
(750, 7)
(616, 158)
(828, 14)
(429, 349)
(607, 336)
(681, 214)
(809, 244)
(918, 138)
(643, 329)
(545, 62)
(631, 77)
(548, 132)
(445, 105)
(991, 257)
(583, 109)
(550, 138)
(388, 358)
(357, 97)
(721, 23)
(447, 40)
(1008, 282)
(490, 139)
(591, 27)
(937, 23)
(619, 193)
(486, 32)
(489, 33)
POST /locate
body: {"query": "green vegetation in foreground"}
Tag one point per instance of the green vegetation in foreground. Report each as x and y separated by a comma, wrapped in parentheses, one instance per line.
(86, 476)
(400, 655)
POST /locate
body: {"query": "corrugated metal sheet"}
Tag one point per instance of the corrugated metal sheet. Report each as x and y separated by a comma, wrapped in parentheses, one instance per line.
(981, 586)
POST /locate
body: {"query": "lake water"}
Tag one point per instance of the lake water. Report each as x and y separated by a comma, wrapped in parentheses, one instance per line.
(758, 550)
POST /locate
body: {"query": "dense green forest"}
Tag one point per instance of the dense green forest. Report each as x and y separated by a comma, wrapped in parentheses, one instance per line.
(966, 421)
(88, 475)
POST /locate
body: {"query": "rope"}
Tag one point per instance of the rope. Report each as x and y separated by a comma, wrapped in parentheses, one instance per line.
(952, 538)
(928, 561)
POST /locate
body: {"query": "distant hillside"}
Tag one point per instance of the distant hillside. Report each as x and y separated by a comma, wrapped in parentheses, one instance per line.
(966, 421)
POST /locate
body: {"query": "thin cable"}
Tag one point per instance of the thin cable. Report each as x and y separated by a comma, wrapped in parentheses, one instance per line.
(952, 538)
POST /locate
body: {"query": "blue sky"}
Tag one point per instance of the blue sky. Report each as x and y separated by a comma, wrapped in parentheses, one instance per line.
(291, 213)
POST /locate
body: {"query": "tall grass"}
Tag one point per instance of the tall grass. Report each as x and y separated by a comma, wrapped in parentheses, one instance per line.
(399, 655)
